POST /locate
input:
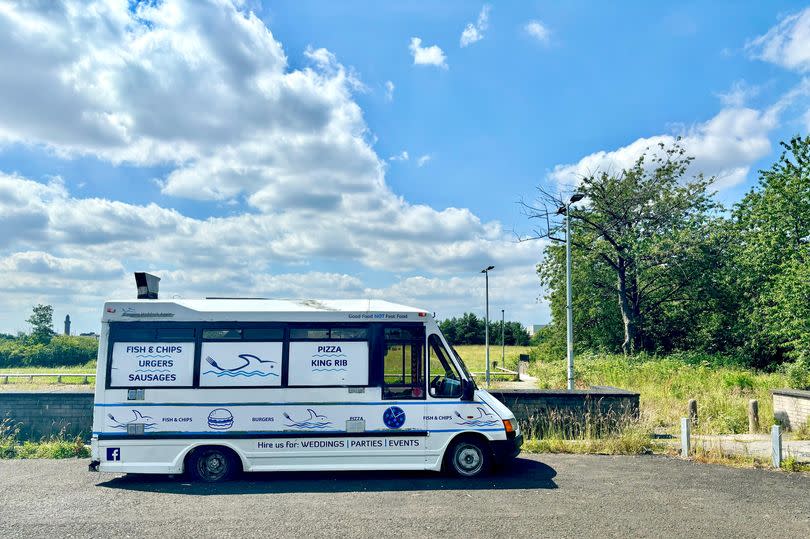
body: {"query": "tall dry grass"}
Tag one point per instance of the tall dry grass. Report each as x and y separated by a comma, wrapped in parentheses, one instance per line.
(666, 384)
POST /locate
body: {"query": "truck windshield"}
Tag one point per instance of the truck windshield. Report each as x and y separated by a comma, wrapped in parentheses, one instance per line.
(463, 366)
(445, 381)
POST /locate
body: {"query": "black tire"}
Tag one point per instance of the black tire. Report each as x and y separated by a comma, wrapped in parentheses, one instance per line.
(468, 457)
(212, 464)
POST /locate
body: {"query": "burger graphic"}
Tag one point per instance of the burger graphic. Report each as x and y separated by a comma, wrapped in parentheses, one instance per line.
(220, 419)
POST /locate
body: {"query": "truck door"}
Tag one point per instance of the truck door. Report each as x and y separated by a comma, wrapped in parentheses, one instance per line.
(403, 391)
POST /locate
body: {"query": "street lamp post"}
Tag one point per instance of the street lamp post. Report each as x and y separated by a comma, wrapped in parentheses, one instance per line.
(486, 271)
(569, 307)
(503, 343)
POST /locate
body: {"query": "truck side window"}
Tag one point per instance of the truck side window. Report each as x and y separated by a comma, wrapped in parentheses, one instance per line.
(445, 381)
(403, 364)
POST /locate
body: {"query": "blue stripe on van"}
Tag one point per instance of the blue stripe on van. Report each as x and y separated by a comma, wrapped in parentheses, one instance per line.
(133, 404)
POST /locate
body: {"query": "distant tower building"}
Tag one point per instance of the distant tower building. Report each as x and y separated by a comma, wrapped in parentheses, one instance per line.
(67, 324)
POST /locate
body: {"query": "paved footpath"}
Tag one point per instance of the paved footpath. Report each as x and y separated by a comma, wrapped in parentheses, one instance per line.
(541, 496)
(754, 445)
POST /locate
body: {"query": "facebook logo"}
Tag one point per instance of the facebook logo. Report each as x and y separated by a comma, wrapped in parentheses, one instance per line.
(113, 453)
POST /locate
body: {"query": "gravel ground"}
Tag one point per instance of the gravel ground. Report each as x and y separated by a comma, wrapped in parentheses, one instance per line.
(541, 495)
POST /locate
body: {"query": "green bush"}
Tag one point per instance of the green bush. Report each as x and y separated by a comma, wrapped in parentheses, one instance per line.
(61, 351)
(798, 374)
(54, 448)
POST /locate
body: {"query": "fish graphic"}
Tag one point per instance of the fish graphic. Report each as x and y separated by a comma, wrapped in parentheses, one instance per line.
(247, 358)
(238, 371)
(314, 421)
(137, 417)
(484, 419)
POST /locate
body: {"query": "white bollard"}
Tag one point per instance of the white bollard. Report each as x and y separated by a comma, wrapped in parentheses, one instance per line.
(686, 434)
(776, 446)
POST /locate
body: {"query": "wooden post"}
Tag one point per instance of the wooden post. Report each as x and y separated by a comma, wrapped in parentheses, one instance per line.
(59, 379)
(753, 416)
(693, 414)
(85, 380)
(685, 437)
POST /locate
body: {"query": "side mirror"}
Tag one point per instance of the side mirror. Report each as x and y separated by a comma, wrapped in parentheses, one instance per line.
(467, 390)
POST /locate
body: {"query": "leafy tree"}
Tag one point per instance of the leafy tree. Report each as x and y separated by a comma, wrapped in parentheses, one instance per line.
(638, 245)
(513, 332)
(41, 321)
(469, 329)
(772, 259)
(448, 328)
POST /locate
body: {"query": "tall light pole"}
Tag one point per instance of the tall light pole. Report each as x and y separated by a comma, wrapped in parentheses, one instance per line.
(486, 271)
(503, 343)
(569, 307)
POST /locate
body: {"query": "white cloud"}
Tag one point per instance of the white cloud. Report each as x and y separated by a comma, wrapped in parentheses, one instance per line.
(475, 32)
(515, 289)
(76, 250)
(787, 44)
(401, 156)
(423, 160)
(204, 89)
(389, 90)
(432, 55)
(726, 146)
(739, 94)
(538, 31)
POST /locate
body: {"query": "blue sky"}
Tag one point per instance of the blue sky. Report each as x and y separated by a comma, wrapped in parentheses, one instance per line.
(345, 149)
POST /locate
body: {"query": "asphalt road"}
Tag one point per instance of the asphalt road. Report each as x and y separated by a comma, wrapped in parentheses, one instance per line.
(545, 495)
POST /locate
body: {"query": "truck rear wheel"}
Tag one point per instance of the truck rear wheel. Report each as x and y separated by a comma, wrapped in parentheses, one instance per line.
(469, 457)
(212, 464)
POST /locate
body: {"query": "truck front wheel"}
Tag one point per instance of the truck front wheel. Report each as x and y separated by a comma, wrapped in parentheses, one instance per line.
(469, 457)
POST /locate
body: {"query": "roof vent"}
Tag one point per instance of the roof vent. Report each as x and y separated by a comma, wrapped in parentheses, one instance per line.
(147, 285)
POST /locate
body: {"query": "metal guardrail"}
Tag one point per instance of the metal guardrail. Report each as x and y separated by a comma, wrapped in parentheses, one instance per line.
(497, 371)
(58, 375)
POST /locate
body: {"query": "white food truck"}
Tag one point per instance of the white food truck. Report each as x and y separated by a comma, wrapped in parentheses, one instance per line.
(212, 387)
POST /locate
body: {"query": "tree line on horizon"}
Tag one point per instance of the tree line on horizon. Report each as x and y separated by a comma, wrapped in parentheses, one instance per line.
(660, 265)
(470, 329)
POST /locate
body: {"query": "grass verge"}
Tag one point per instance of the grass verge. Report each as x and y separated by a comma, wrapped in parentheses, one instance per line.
(475, 356)
(631, 441)
(666, 384)
(55, 447)
(62, 377)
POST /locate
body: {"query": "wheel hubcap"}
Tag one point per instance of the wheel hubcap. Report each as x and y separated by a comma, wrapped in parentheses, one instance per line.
(213, 466)
(469, 459)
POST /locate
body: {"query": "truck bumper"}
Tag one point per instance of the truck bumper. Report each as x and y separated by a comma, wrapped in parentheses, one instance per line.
(505, 450)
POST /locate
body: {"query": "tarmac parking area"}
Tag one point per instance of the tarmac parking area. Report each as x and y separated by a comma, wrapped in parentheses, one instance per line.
(541, 495)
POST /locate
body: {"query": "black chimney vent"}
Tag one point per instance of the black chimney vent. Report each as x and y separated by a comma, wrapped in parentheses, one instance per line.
(147, 285)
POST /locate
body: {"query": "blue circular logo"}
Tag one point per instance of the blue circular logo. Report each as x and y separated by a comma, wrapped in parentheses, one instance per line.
(394, 417)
